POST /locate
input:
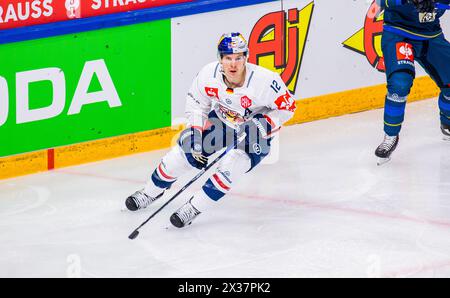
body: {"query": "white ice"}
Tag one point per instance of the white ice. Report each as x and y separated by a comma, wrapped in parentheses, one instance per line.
(324, 210)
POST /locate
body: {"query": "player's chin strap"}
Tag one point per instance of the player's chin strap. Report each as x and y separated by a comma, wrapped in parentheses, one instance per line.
(241, 137)
(442, 6)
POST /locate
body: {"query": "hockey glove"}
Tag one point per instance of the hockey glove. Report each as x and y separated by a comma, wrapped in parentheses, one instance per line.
(197, 149)
(424, 6)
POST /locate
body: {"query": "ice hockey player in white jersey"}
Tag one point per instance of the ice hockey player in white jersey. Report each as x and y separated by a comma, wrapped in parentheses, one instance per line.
(227, 98)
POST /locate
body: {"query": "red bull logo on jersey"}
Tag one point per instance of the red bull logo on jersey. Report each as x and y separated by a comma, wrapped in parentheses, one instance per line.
(367, 41)
(277, 42)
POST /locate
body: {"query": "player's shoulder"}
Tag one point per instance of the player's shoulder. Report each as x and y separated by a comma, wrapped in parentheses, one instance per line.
(260, 71)
(260, 74)
(210, 71)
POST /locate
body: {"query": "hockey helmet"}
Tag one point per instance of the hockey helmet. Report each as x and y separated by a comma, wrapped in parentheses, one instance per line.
(232, 43)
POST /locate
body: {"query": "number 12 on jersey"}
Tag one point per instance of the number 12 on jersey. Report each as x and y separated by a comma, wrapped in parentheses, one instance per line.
(275, 86)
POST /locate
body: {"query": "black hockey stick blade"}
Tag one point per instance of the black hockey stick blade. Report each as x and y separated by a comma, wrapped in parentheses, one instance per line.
(134, 235)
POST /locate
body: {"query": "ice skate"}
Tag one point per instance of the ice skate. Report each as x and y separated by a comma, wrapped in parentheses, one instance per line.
(446, 132)
(386, 148)
(140, 200)
(185, 215)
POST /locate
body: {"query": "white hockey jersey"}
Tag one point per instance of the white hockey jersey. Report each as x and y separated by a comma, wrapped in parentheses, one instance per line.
(263, 92)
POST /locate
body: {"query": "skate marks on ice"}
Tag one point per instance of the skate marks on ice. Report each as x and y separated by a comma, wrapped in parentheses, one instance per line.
(325, 209)
(16, 199)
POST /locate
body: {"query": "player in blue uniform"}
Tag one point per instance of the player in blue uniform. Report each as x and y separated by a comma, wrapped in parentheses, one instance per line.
(412, 32)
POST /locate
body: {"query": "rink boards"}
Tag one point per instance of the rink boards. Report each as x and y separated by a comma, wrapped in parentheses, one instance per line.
(101, 93)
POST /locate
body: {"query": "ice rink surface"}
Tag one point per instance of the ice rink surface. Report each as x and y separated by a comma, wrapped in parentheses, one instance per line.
(325, 209)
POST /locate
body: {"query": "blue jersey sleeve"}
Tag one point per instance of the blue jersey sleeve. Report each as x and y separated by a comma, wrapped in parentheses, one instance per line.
(443, 4)
(391, 3)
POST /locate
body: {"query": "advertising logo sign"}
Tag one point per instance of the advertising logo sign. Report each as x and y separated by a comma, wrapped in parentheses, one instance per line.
(367, 41)
(75, 88)
(277, 42)
(73, 9)
(21, 13)
(405, 51)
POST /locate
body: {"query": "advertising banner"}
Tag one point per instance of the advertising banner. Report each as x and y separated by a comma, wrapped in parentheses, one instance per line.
(80, 87)
(20, 13)
(367, 40)
(277, 34)
(314, 45)
(75, 88)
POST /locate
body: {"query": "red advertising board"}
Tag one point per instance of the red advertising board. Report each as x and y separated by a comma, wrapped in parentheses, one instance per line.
(21, 13)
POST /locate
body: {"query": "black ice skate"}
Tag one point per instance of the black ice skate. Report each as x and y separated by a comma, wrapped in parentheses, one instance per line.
(185, 215)
(446, 132)
(140, 200)
(386, 148)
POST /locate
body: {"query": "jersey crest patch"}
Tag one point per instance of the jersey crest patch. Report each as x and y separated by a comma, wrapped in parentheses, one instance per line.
(246, 102)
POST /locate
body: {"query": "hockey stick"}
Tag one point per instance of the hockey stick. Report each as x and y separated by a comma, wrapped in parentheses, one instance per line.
(135, 233)
(442, 6)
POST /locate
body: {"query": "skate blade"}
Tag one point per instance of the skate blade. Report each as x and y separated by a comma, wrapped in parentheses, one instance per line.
(446, 138)
(382, 161)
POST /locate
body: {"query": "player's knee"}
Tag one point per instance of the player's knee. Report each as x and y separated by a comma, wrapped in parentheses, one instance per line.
(235, 164)
(173, 165)
(257, 151)
(400, 83)
(444, 98)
